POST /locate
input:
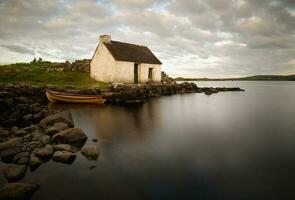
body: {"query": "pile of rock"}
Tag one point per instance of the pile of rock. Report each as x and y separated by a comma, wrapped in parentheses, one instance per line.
(165, 79)
(81, 65)
(53, 138)
(77, 65)
(22, 104)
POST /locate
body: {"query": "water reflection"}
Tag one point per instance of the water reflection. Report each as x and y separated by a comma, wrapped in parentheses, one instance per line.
(111, 123)
(232, 146)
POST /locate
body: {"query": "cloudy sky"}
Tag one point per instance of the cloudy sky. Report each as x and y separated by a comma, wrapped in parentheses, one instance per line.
(193, 38)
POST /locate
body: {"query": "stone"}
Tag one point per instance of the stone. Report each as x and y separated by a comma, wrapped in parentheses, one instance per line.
(31, 128)
(43, 112)
(11, 143)
(209, 91)
(3, 132)
(13, 191)
(35, 162)
(34, 145)
(45, 139)
(22, 99)
(14, 172)
(20, 132)
(14, 129)
(65, 117)
(27, 138)
(36, 135)
(21, 107)
(70, 136)
(8, 154)
(62, 147)
(61, 126)
(44, 152)
(36, 108)
(27, 117)
(64, 157)
(90, 152)
(8, 101)
(51, 131)
(21, 158)
(10, 121)
(57, 127)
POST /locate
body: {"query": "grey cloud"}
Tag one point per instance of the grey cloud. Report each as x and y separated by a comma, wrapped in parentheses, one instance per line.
(132, 4)
(207, 38)
(19, 49)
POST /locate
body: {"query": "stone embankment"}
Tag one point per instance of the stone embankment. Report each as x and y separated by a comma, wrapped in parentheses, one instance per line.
(26, 104)
(76, 66)
(140, 93)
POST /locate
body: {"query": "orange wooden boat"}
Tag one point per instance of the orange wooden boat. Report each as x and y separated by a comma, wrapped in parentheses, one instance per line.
(54, 96)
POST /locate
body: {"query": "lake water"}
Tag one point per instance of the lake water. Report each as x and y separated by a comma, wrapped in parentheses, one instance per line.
(232, 145)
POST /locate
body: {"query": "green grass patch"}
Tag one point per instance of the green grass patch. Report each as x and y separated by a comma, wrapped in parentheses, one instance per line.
(35, 74)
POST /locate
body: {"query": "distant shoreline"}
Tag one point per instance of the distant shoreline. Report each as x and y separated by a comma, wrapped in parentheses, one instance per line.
(250, 78)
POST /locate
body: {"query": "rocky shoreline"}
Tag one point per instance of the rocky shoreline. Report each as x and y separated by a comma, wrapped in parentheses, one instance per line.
(25, 105)
(54, 137)
(31, 134)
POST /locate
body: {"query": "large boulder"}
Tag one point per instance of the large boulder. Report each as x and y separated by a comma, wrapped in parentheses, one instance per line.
(8, 154)
(14, 172)
(13, 191)
(35, 162)
(65, 117)
(21, 158)
(62, 147)
(22, 99)
(36, 135)
(57, 127)
(33, 145)
(90, 152)
(73, 136)
(44, 152)
(10, 143)
(64, 157)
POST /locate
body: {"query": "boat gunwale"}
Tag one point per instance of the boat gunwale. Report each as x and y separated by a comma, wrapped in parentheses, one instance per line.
(69, 95)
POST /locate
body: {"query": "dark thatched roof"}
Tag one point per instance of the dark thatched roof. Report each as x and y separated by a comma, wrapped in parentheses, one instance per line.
(131, 53)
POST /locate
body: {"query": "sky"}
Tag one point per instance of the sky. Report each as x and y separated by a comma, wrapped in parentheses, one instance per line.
(192, 38)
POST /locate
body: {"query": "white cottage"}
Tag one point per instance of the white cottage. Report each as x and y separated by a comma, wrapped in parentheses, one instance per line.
(121, 62)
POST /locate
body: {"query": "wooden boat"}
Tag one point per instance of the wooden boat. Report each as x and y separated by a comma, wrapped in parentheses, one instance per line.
(54, 96)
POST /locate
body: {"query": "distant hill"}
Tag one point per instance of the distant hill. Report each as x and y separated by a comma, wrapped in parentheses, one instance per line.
(249, 78)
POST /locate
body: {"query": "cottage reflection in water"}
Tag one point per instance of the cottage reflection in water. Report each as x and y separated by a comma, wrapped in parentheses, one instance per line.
(131, 121)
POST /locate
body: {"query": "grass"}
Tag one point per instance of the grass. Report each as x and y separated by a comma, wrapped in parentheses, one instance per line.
(35, 74)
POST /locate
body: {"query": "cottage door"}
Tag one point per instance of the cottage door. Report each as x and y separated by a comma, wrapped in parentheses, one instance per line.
(135, 73)
(150, 75)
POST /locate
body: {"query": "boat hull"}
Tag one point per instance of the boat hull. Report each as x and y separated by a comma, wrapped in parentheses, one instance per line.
(73, 98)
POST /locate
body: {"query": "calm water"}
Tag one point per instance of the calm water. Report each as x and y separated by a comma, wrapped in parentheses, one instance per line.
(235, 145)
